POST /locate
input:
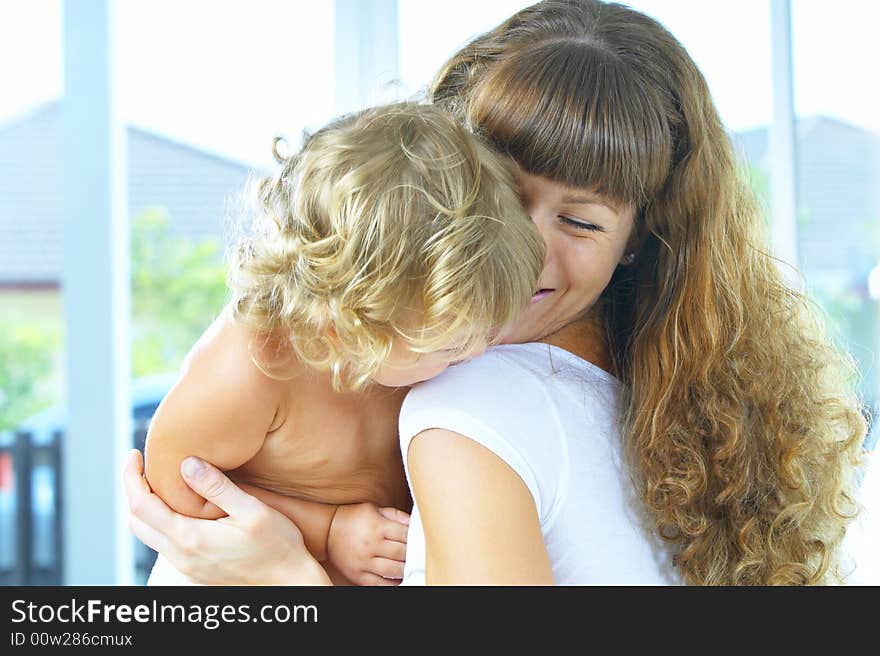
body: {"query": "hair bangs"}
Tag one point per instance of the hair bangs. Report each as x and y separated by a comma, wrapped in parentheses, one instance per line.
(571, 111)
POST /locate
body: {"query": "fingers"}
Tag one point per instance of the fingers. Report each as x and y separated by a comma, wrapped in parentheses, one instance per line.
(395, 515)
(138, 493)
(149, 519)
(132, 475)
(386, 568)
(392, 550)
(142, 503)
(148, 535)
(368, 578)
(394, 531)
(397, 525)
(215, 486)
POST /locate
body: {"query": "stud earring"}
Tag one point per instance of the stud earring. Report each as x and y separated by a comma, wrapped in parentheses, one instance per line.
(629, 258)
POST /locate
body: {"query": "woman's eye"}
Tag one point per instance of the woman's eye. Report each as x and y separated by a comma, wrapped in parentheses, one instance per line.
(579, 225)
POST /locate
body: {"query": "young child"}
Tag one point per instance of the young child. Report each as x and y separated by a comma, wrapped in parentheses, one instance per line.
(393, 245)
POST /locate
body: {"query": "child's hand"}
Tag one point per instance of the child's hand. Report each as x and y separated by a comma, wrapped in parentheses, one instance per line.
(368, 544)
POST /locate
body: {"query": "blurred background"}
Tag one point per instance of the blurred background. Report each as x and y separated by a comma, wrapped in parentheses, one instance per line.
(128, 128)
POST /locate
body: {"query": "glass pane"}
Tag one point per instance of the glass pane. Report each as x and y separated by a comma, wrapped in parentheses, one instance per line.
(205, 87)
(31, 323)
(31, 320)
(29, 32)
(838, 122)
(711, 32)
(226, 77)
(741, 85)
(430, 32)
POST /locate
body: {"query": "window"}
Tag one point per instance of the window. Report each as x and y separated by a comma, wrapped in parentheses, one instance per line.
(430, 32)
(837, 102)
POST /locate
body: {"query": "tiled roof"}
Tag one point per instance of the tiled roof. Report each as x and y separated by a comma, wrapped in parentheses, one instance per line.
(192, 185)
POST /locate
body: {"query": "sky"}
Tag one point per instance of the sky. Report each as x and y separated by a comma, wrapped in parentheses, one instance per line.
(227, 75)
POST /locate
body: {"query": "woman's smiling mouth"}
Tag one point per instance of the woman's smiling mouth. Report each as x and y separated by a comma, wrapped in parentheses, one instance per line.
(541, 294)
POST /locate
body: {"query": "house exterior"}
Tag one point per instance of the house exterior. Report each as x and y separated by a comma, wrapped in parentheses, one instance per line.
(838, 189)
(838, 170)
(838, 178)
(194, 188)
(838, 233)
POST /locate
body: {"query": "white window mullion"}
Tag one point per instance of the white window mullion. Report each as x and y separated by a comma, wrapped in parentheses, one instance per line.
(366, 54)
(98, 547)
(782, 141)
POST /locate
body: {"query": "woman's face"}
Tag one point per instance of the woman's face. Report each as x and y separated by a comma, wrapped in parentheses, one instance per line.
(586, 238)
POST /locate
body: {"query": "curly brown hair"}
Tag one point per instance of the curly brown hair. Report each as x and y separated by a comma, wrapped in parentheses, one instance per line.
(743, 430)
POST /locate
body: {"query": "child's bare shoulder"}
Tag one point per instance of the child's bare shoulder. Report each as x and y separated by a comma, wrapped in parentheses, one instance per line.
(227, 353)
(220, 409)
(221, 396)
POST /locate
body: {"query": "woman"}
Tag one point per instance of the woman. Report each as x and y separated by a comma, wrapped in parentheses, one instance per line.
(739, 434)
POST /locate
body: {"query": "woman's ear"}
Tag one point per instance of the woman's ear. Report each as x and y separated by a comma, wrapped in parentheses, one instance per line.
(636, 240)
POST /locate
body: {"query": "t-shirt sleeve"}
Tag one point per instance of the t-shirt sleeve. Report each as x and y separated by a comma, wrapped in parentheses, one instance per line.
(502, 407)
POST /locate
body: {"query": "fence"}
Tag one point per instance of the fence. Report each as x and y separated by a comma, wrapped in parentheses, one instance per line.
(32, 510)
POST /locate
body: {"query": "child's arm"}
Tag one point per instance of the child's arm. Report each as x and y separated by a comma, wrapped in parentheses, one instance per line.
(367, 544)
(219, 410)
(224, 421)
(311, 517)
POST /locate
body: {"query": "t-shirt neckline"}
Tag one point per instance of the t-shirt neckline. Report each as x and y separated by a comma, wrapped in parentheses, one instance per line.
(574, 359)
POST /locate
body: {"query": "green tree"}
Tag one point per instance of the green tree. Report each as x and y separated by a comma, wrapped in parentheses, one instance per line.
(178, 287)
(28, 353)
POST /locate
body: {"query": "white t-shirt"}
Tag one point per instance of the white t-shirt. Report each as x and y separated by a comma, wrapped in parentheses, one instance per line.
(861, 543)
(553, 418)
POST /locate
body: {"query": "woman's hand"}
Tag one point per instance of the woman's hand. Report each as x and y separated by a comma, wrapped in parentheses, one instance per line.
(252, 545)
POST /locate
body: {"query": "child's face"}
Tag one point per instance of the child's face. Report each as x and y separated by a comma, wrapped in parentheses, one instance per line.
(405, 367)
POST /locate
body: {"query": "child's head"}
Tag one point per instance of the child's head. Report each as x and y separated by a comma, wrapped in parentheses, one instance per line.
(394, 243)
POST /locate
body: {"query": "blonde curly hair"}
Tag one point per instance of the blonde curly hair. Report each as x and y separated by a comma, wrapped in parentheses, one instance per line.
(391, 222)
(743, 431)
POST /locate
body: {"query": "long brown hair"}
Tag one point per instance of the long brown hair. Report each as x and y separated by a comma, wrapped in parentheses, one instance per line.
(742, 427)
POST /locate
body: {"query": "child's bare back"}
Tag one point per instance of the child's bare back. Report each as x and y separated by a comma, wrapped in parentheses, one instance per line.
(332, 447)
(319, 445)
